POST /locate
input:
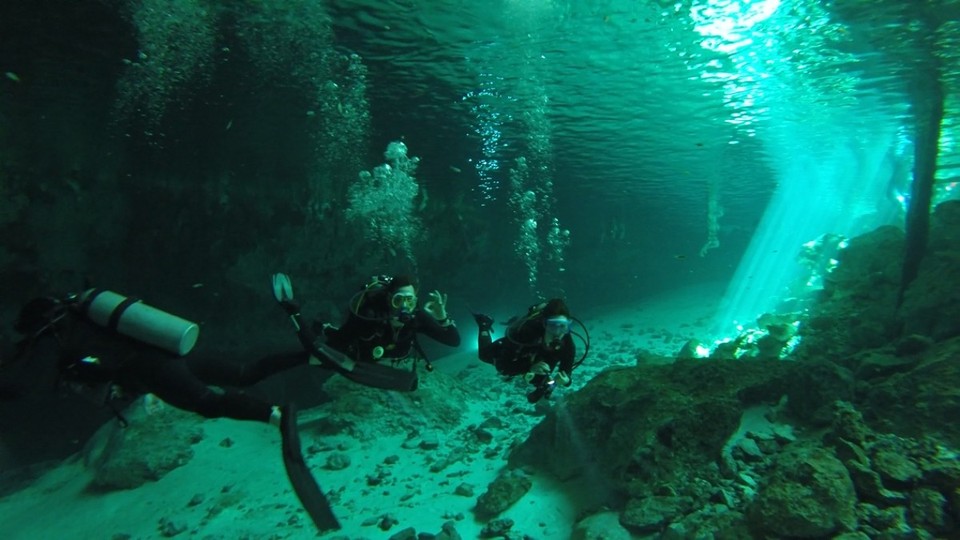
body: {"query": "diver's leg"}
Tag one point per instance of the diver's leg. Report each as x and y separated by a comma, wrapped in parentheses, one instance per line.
(172, 381)
(222, 371)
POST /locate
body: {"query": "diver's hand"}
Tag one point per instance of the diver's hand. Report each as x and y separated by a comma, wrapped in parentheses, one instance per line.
(563, 378)
(540, 368)
(484, 322)
(283, 292)
(436, 305)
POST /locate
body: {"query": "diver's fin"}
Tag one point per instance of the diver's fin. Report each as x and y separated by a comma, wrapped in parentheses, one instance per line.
(366, 373)
(304, 485)
(339, 360)
(384, 377)
(282, 287)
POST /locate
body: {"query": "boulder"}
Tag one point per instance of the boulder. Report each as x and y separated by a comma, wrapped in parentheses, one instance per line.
(502, 493)
(806, 494)
(146, 450)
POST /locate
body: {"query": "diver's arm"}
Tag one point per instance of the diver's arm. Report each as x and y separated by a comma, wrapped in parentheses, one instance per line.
(443, 332)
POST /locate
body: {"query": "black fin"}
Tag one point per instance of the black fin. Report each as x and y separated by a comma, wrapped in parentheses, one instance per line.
(369, 373)
(304, 485)
(383, 377)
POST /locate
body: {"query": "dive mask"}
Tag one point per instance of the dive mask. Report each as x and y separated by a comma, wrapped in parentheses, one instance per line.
(557, 327)
(404, 302)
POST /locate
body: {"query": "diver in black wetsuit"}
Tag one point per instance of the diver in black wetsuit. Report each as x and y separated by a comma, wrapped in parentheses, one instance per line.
(384, 321)
(115, 367)
(534, 346)
(105, 363)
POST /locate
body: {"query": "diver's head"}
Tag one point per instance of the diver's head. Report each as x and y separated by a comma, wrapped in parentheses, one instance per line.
(556, 321)
(402, 296)
(40, 316)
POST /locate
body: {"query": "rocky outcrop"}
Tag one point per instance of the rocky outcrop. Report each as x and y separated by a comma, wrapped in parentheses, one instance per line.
(807, 493)
(931, 305)
(632, 424)
(502, 493)
(146, 450)
(909, 395)
(856, 309)
(436, 406)
(748, 450)
(600, 526)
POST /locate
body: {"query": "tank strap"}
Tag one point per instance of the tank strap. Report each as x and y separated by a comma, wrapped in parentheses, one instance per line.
(114, 321)
(118, 311)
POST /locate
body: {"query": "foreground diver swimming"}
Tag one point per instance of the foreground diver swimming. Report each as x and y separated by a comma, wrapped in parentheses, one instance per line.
(114, 349)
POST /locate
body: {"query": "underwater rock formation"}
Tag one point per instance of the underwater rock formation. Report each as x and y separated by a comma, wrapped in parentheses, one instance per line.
(146, 450)
(931, 305)
(502, 493)
(850, 438)
(807, 493)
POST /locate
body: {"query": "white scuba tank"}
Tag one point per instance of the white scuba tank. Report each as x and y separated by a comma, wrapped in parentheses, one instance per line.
(132, 318)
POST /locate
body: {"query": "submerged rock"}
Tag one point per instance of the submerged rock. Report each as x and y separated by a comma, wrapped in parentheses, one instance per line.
(651, 514)
(928, 509)
(502, 493)
(601, 526)
(149, 448)
(807, 493)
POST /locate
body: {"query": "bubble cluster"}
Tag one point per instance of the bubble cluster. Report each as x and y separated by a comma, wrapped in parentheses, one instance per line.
(524, 202)
(288, 41)
(176, 44)
(340, 127)
(538, 247)
(382, 201)
(558, 240)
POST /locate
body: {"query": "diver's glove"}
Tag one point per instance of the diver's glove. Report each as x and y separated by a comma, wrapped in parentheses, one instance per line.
(283, 292)
(540, 368)
(436, 306)
(485, 322)
(563, 378)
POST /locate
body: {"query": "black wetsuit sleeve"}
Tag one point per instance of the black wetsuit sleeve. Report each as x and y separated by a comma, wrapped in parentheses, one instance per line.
(430, 327)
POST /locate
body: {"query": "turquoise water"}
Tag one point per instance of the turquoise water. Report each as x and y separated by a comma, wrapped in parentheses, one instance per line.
(636, 157)
(644, 107)
(657, 134)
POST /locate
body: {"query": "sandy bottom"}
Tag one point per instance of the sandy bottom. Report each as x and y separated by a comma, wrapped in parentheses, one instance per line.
(239, 489)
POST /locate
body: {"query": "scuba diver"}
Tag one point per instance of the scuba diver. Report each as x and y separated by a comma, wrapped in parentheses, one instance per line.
(101, 346)
(383, 323)
(534, 346)
(113, 349)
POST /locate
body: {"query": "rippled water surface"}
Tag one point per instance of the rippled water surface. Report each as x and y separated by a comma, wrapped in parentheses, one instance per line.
(654, 100)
